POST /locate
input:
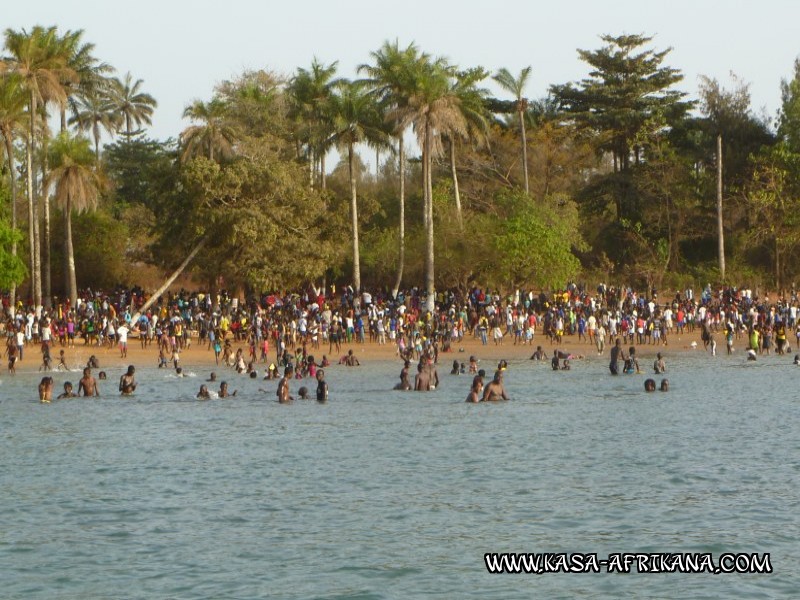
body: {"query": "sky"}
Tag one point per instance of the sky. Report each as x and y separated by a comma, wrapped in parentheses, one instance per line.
(181, 49)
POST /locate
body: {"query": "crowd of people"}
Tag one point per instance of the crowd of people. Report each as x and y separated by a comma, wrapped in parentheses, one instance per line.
(285, 331)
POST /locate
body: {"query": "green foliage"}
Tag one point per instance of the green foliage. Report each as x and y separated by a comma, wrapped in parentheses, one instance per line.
(534, 244)
(12, 269)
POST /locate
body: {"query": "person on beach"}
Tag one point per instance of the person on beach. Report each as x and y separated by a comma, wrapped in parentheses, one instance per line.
(127, 383)
(322, 387)
(495, 390)
(283, 386)
(46, 390)
(87, 384)
(67, 393)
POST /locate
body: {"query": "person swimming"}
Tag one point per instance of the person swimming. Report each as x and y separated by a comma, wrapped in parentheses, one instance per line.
(475, 391)
(665, 385)
(650, 385)
(455, 370)
(203, 394)
(67, 393)
(495, 390)
(405, 384)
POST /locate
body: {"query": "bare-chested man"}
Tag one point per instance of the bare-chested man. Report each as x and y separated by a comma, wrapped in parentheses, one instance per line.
(495, 389)
(283, 386)
(88, 385)
(127, 384)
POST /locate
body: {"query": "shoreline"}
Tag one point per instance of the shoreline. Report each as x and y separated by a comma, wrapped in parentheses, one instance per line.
(198, 356)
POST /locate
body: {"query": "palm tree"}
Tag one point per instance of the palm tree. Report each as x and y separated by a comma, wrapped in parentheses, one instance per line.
(435, 111)
(311, 92)
(394, 79)
(40, 61)
(471, 104)
(13, 101)
(89, 71)
(212, 137)
(96, 111)
(356, 119)
(516, 86)
(76, 185)
(132, 105)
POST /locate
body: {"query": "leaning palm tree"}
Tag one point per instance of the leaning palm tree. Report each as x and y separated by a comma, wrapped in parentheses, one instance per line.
(76, 186)
(393, 78)
(356, 119)
(96, 111)
(38, 58)
(516, 86)
(13, 101)
(132, 105)
(212, 137)
(434, 110)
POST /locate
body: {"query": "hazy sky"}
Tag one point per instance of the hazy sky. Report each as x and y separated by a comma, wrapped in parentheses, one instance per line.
(181, 49)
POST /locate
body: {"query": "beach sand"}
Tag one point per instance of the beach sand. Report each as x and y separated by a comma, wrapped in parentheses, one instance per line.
(199, 356)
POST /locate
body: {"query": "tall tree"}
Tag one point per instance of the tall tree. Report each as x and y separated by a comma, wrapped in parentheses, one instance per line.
(471, 103)
(76, 186)
(311, 91)
(356, 119)
(516, 86)
(133, 106)
(434, 111)
(394, 78)
(13, 101)
(789, 114)
(627, 88)
(735, 134)
(213, 137)
(39, 58)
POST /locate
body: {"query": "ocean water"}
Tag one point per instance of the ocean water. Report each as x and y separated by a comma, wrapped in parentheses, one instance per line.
(385, 494)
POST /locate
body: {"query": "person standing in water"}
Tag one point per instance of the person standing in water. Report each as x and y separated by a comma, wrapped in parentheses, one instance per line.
(617, 354)
(322, 387)
(88, 384)
(127, 384)
(283, 386)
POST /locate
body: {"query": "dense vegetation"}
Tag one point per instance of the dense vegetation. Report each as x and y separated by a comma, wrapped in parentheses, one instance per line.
(614, 176)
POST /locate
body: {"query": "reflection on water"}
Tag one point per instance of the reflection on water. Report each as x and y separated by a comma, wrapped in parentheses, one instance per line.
(386, 494)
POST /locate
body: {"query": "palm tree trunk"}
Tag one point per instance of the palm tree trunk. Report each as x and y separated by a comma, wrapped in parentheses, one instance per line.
(720, 232)
(430, 280)
(72, 283)
(354, 214)
(46, 271)
(524, 149)
(322, 170)
(33, 213)
(127, 127)
(160, 291)
(63, 113)
(402, 256)
(377, 164)
(454, 174)
(96, 135)
(12, 294)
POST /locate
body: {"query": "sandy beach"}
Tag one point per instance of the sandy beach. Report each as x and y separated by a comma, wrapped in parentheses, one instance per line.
(199, 356)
